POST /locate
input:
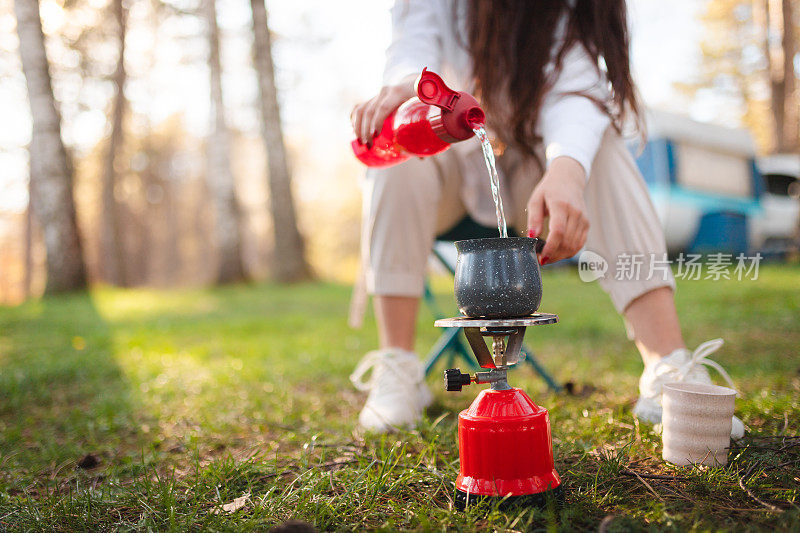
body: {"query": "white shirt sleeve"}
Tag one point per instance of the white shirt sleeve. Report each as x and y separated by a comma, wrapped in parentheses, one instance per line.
(416, 40)
(571, 124)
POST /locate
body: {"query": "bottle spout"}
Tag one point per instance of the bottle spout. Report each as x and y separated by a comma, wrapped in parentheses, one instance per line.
(460, 111)
(475, 117)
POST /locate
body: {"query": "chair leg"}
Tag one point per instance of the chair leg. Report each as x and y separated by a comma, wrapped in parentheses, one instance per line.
(466, 354)
(443, 345)
(449, 344)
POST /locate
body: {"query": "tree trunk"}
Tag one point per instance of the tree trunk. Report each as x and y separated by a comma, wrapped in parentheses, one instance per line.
(27, 281)
(50, 169)
(780, 69)
(113, 261)
(775, 75)
(289, 261)
(791, 109)
(227, 227)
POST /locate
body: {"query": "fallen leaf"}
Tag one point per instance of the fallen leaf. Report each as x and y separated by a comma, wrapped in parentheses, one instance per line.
(235, 505)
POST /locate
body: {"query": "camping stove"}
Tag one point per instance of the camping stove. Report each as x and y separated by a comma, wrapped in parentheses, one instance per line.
(504, 442)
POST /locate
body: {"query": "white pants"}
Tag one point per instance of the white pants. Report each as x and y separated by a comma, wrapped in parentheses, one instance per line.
(407, 205)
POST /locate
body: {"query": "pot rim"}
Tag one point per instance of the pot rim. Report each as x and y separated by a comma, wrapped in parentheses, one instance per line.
(497, 243)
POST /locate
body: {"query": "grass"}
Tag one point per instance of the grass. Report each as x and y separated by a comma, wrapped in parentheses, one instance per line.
(140, 409)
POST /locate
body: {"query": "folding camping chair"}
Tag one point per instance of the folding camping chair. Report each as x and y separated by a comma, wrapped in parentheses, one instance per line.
(450, 343)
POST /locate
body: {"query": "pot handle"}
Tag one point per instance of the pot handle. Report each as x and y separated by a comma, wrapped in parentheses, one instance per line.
(539, 245)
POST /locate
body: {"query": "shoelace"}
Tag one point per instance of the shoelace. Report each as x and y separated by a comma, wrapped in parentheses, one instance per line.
(699, 357)
(369, 361)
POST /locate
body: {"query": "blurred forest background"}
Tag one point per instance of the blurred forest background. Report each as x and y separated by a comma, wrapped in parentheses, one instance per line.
(147, 142)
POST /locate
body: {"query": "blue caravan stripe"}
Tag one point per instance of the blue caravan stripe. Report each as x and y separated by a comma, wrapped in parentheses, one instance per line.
(672, 162)
(712, 203)
(721, 232)
(661, 157)
(758, 179)
(652, 160)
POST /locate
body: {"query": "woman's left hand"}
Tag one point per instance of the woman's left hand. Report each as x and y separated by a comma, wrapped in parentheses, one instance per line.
(560, 195)
(367, 118)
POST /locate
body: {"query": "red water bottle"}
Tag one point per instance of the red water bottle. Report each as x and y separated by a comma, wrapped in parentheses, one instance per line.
(423, 126)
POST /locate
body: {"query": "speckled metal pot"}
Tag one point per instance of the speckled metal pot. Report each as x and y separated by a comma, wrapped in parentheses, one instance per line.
(498, 278)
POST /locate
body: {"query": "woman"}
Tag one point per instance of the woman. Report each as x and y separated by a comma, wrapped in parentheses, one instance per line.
(554, 78)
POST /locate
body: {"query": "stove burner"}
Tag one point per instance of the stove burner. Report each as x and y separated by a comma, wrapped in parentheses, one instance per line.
(505, 449)
(502, 355)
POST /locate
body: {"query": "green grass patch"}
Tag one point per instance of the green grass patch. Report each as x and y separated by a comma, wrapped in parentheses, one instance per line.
(144, 409)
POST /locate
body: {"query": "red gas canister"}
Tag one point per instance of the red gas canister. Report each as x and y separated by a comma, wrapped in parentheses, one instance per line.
(505, 449)
(423, 126)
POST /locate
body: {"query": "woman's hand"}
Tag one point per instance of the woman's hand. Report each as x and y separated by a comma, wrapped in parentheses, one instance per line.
(367, 118)
(560, 195)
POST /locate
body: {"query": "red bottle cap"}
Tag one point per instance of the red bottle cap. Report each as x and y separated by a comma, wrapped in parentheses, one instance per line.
(460, 111)
(432, 90)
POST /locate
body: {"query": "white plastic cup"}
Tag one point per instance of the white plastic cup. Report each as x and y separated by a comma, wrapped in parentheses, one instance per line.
(696, 423)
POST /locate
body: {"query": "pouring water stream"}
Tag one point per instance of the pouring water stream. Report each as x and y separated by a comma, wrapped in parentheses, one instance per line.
(494, 179)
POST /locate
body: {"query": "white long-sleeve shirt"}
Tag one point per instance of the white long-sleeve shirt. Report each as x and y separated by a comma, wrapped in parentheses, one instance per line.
(425, 34)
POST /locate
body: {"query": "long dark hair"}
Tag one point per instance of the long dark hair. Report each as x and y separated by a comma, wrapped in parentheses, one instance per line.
(510, 44)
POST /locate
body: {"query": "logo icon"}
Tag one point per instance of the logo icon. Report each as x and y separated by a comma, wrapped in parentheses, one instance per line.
(591, 266)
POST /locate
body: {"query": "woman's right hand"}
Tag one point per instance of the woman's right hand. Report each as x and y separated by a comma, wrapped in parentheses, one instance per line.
(367, 118)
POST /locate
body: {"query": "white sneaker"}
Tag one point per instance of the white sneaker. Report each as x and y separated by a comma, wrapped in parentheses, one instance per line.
(397, 390)
(680, 365)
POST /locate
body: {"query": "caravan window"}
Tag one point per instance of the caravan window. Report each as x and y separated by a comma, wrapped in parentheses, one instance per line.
(707, 170)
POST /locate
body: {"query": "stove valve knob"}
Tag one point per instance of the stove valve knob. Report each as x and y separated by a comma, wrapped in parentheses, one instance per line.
(454, 379)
